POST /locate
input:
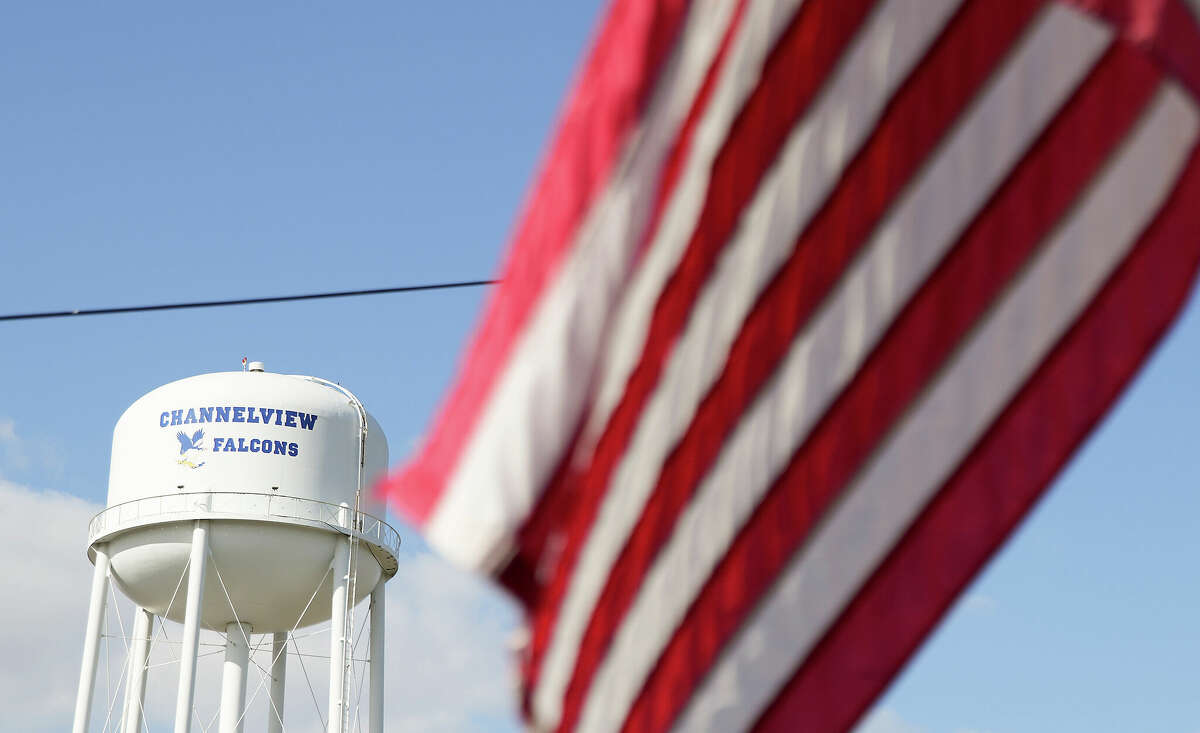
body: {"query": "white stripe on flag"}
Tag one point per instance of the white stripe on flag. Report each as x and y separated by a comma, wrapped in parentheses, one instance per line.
(823, 359)
(537, 401)
(761, 27)
(935, 437)
(763, 22)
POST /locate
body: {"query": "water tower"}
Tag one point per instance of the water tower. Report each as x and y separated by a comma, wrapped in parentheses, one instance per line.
(237, 503)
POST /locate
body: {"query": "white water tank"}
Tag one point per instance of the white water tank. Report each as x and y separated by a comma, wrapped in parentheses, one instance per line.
(274, 462)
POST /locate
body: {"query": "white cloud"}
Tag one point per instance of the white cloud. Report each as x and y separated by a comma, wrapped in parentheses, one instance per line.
(12, 447)
(447, 665)
(886, 720)
(20, 454)
(446, 648)
(45, 578)
(979, 603)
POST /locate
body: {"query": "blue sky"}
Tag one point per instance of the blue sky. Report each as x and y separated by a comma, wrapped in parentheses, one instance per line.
(155, 154)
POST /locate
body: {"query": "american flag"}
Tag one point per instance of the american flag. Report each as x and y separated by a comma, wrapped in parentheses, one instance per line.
(809, 303)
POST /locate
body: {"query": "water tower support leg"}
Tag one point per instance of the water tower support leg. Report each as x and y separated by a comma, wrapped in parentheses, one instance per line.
(91, 642)
(377, 627)
(337, 636)
(191, 628)
(233, 677)
(278, 678)
(135, 691)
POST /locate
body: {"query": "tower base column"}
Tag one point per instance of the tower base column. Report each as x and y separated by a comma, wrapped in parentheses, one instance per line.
(278, 679)
(191, 628)
(338, 636)
(233, 679)
(91, 642)
(135, 690)
(378, 620)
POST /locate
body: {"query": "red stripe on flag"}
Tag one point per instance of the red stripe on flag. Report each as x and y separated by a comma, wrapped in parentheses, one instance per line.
(604, 106)
(796, 68)
(520, 575)
(911, 126)
(1041, 188)
(972, 44)
(680, 151)
(1165, 29)
(1001, 479)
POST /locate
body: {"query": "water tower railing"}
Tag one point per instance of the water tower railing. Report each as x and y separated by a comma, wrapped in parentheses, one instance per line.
(246, 505)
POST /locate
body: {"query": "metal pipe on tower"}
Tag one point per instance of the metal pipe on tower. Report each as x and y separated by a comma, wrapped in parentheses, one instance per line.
(278, 680)
(338, 637)
(233, 678)
(91, 640)
(378, 624)
(135, 688)
(197, 566)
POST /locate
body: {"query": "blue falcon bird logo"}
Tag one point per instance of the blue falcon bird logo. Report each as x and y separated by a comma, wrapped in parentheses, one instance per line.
(186, 444)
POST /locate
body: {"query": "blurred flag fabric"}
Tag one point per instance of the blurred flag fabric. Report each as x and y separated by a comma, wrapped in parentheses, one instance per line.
(809, 303)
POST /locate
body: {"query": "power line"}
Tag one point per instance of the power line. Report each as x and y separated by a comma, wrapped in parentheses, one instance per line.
(244, 301)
